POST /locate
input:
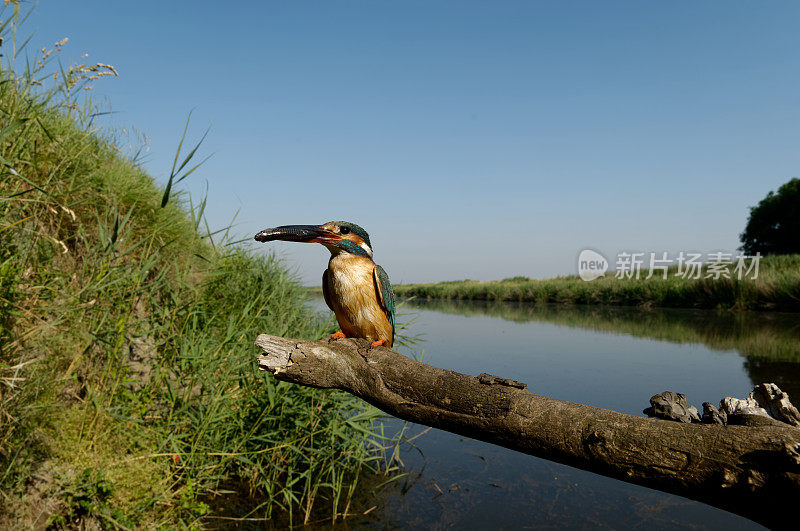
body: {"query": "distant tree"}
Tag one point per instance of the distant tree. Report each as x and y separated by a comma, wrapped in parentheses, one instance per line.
(774, 224)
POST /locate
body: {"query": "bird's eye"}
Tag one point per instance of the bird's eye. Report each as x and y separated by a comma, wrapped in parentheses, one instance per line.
(344, 230)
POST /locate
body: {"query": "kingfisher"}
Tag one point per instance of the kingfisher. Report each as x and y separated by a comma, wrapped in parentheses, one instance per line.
(355, 288)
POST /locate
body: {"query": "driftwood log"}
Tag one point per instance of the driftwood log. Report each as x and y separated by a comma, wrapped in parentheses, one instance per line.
(753, 471)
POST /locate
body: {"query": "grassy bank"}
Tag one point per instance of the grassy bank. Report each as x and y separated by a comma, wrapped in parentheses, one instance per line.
(129, 395)
(776, 288)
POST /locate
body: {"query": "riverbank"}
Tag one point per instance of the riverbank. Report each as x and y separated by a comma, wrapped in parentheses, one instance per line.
(776, 288)
(129, 394)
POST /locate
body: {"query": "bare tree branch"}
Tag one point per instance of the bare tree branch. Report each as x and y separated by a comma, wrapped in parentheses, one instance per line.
(753, 471)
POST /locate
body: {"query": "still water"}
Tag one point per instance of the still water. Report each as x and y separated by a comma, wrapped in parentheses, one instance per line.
(615, 358)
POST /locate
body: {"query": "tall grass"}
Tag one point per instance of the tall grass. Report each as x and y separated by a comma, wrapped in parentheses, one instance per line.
(776, 288)
(129, 394)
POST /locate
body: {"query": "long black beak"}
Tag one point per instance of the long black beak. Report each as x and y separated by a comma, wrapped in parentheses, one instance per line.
(297, 233)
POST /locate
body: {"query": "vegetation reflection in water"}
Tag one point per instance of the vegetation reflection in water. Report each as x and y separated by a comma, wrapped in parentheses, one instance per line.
(769, 341)
(769, 335)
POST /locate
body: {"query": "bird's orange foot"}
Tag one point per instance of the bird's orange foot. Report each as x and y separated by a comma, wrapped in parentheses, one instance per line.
(337, 335)
(377, 343)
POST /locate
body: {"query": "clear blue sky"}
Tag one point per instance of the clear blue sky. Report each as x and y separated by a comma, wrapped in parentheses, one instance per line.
(471, 139)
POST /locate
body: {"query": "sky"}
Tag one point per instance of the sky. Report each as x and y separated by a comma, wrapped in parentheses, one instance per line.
(477, 140)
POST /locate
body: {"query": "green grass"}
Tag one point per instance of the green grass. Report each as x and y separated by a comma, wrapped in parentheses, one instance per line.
(776, 288)
(129, 394)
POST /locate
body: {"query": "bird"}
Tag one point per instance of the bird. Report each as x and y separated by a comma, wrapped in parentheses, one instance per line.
(355, 288)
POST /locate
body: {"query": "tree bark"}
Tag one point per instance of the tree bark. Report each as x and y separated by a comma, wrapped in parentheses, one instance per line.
(753, 471)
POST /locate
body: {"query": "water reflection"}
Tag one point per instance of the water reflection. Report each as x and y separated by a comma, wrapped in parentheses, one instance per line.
(769, 341)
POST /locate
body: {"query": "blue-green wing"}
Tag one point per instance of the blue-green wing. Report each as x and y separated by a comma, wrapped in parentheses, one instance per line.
(385, 293)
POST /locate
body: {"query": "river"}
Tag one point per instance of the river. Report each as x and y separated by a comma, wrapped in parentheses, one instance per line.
(615, 358)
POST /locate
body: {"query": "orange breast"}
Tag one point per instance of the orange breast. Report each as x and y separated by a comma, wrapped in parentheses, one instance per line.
(351, 287)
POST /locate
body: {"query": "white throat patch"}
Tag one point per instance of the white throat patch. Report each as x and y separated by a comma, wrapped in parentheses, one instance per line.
(366, 248)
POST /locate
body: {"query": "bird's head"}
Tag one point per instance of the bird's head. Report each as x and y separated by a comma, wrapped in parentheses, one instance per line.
(337, 236)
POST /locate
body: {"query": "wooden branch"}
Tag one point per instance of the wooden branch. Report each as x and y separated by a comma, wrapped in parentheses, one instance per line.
(753, 471)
